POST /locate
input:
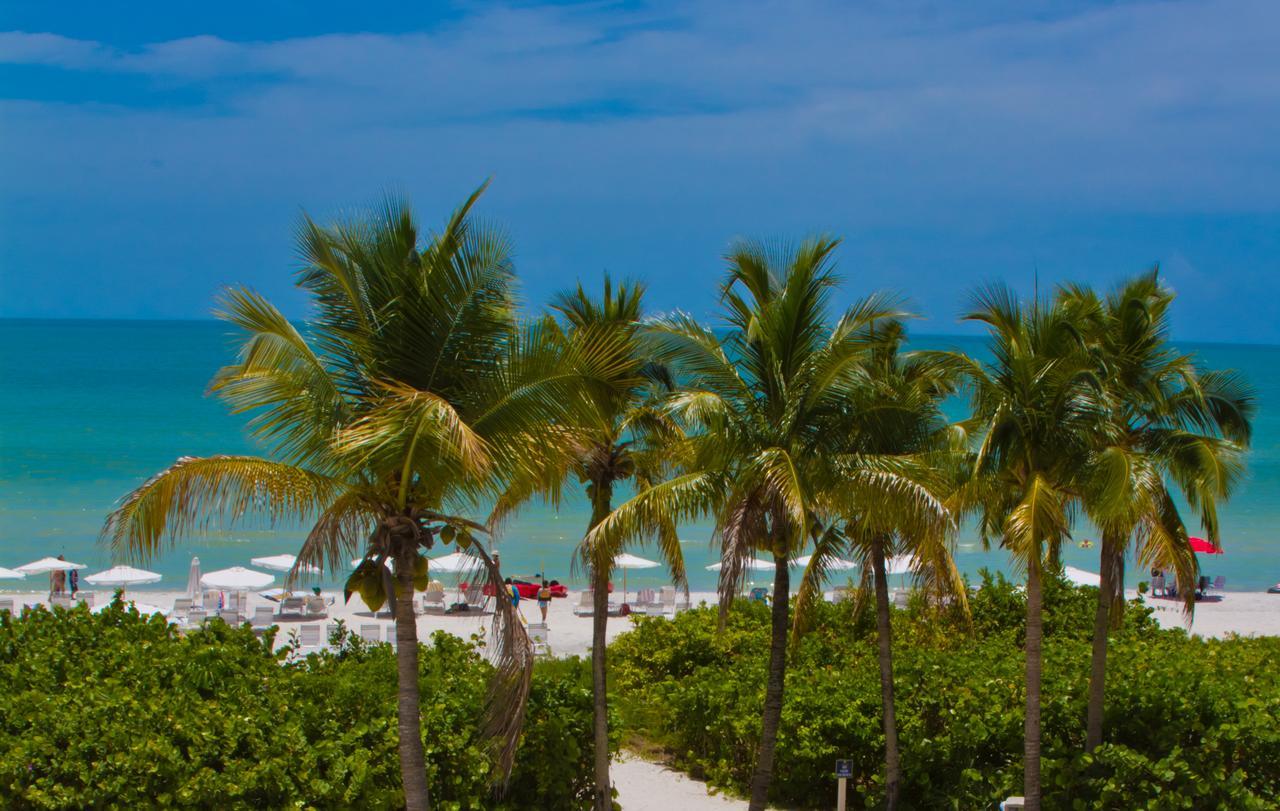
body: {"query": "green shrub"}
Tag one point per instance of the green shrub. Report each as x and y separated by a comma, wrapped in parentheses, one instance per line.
(1190, 723)
(115, 710)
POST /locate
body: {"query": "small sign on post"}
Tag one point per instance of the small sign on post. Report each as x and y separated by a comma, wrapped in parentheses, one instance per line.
(844, 770)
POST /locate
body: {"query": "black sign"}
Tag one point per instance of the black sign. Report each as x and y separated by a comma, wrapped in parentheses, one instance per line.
(844, 768)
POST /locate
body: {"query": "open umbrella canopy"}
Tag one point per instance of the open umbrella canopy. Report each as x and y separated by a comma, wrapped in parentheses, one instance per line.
(49, 565)
(1197, 545)
(900, 564)
(237, 578)
(834, 565)
(10, 574)
(122, 576)
(142, 608)
(629, 561)
(282, 563)
(1081, 577)
(754, 564)
(453, 563)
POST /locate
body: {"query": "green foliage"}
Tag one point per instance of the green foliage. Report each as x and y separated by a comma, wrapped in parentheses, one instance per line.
(1191, 723)
(116, 710)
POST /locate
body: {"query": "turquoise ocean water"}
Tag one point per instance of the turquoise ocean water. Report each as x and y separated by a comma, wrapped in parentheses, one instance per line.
(89, 409)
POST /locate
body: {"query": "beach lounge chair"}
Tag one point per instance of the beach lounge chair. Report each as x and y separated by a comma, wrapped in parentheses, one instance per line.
(263, 617)
(86, 597)
(292, 607)
(433, 601)
(1157, 586)
(900, 598)
(309, 636)
(539, 638)
(195, 616)
(7, 605)
(371, 632)
(211, 600)
(477, 600)
(230, 616)
(181, 606)
(60, 601)
(663, 601)
(840, 593)
(1219, 583)
(316, 607)
(585, 606)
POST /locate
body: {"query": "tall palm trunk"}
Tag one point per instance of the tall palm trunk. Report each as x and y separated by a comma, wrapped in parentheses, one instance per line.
(1031, 742)
(601, 504)
(772, 716)
(413, 769)
(892, 761)
(1101, 628)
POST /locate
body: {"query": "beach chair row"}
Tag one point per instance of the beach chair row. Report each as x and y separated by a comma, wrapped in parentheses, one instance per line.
(665, 601)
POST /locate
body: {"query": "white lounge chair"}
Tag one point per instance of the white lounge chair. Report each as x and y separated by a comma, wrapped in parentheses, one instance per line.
(433, 601)
(195, 616)
(371, 632)
(1219, 583)
(316, 607)
(585, 606)
(60, 601)
(210, 600)
(181, 606)
(230, 616)
(292, 607)
(309, 636)
(263, 617)
(664, 602)
(86, 597)
(477, 600)
(7, 605)
(539, 637)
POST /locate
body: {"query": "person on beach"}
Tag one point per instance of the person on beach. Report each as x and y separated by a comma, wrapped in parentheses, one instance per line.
(515, 596)
(57, 580)
(73, 581)
(544, 599)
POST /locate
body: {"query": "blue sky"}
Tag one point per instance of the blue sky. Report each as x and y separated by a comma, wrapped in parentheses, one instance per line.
(153, 152)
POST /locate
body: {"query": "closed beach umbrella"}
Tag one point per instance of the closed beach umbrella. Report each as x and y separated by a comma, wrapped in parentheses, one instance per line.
(122, 576)
(283, 563)
(49, 565)
(10, 574)
(833, 565)
(1081, 577)
(627, 561)
(1197, 545)
(193, 579)
(237, 578)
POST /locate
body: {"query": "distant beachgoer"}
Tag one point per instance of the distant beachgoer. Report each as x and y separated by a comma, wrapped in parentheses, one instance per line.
(544, 599)
(73, 581)
(515, 594)
(57, 580)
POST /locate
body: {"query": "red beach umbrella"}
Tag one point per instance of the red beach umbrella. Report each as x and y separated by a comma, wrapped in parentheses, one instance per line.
(1202, 546)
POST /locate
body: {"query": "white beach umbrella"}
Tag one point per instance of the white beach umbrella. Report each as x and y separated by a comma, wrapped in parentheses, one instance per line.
(193, 579)
(49, 565)
(453, 563)
(282, 563)
(122, 576)
(10, 574)
(900, 564)
(754, 564)
(835, 565)
(1081, 577)
(627, 561)
(237, 578)
(141, 608)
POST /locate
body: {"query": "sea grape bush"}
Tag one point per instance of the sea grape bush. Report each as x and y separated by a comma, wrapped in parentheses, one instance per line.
(1190, 723)
(116, 710)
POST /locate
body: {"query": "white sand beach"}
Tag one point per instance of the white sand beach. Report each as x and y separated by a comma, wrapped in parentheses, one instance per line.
(644, 785)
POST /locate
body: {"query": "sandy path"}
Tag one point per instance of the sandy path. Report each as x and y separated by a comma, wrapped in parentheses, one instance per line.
(645, 786)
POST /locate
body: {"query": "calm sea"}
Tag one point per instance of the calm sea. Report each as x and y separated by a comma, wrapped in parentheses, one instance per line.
(89, 409)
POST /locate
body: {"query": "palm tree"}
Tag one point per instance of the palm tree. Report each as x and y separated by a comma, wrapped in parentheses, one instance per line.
(625, 445)
(757, 397)
(1171, 424)
(1041, 408)
(412, 396)
(893, 420)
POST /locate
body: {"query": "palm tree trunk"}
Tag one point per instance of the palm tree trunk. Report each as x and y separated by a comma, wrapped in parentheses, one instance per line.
(602, 497)
(892, 761)
(772, 716)
(413, 769)
(1101, 629)
(1031, 735)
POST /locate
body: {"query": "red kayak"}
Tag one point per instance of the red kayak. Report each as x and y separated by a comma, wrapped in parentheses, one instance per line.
(529, 591)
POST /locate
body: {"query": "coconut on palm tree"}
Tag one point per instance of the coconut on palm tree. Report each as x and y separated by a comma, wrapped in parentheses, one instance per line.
(893, 427)
(1041, 410)
(624, 445)
(411, 398)
(758, 396)
(1172, 425)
